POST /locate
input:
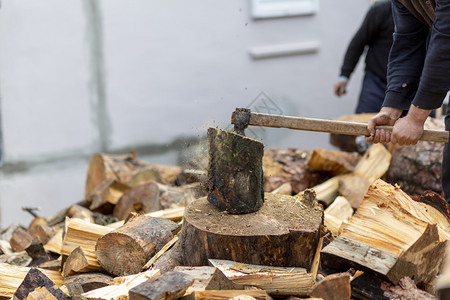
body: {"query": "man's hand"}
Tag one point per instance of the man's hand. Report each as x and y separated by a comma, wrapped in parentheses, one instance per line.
(340, 87)
(386, 116)
(408, 130)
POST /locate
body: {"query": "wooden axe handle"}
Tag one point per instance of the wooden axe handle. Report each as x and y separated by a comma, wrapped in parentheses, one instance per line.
(331, 126)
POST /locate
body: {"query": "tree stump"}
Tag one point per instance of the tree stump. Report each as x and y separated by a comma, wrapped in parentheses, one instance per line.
(284, 232)
(235, 176)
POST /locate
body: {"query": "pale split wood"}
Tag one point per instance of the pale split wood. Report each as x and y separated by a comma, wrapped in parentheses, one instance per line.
(160, 252)
(230, 294)
(121, 286)
(83, 234)
(316, 260)
(275, 280)
(11, 277)
(339, 212)
(327, 191)
(374, 163)
(55, 243)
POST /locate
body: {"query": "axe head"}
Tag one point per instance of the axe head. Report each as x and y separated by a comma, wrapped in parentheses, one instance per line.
(240, 118)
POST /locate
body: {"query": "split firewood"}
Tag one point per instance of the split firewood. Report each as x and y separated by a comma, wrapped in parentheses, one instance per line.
(16, 258)
(41, 293)
(82, 283)
(284, 189)
(37, 279)
(169, 260)
(127, 170)
(54, 264)
(75, 263)
(277, 281)
(171, 285)
(333, 287)
(5, 247)
(290, 165)
(389, 234)
(339, 212)
(55, 243)
(125, 250)
(20, 240)
(83, 234)
(374, 163)
(231, 294)
(327, 191)
(37, 252)
(43, 232)
(120, 286)
(37, 221)
(336, 162)
(205, 278)
(163, 250)
(141, 199)
(80, 212)
(171, 196)
(353, 188)
(11, 277)
(235, 174)
(106, 195)
(284, 232)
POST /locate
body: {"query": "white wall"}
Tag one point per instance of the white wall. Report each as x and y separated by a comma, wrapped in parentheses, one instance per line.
(77, 77)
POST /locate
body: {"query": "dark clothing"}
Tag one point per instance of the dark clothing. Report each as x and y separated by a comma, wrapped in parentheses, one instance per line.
(376, 34)
(372, 94)
(419, 71)
(419, 62)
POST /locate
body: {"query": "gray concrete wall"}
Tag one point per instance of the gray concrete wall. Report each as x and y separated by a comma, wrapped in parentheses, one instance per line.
(78, 77)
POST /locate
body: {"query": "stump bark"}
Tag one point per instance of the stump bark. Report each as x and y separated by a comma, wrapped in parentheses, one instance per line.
(235, 176)
(284, 232)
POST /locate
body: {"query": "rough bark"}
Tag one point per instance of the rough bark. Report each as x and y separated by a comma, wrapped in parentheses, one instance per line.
(81, 283)
(284, 232)
(125, 250)
(235, 175)
(35, 279)
(333, 287)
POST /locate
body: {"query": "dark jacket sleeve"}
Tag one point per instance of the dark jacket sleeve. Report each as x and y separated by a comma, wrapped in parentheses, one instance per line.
(417, 75)
(360, 40)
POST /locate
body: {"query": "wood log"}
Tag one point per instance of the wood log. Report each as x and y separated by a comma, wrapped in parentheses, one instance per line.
(327, 191)
(231, 294)
(16, 258)
(106, 195)
(336, 162)
(20, 240)
(417, 168)
(82, 283)
(374, 163)
(141, 199)
(171, 285)
(172, 214)
(284, 232)
(276, 281)
(43, 232)
(54, 264)
(205, 278)
(11, 277)
(55, 243)
(338, 213)
(37, 252)
(290, 165)
(353, 188)
(80, 212)
(75, 263)
(121, 286)
(82, 234)
(235, 175)
(125, 250)
(37, 279)
(170, 196)
(41, 293)
(389, 234)
(333, 287)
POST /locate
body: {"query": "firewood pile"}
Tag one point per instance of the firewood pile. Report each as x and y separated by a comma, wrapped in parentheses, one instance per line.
(286, 223)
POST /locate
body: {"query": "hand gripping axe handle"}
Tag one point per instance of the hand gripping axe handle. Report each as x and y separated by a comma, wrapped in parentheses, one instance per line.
(243, 117)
